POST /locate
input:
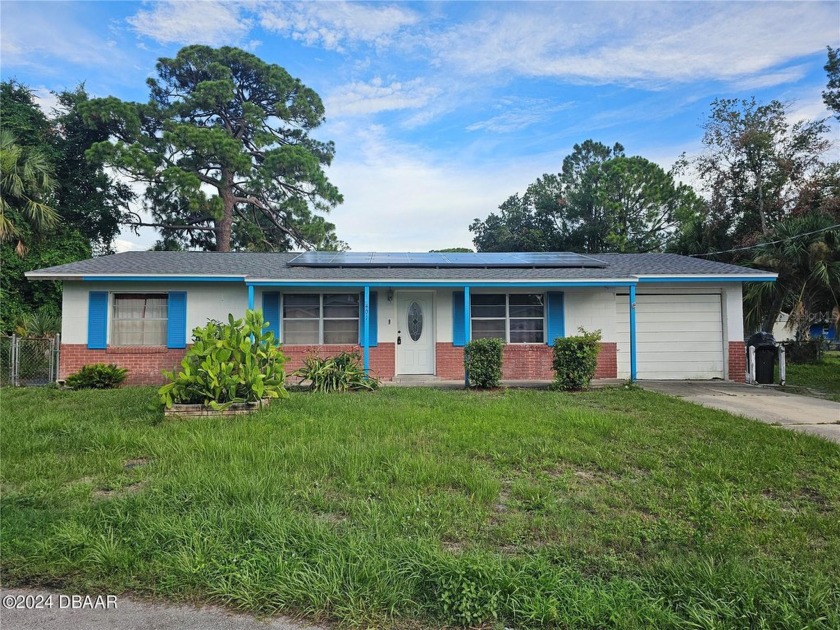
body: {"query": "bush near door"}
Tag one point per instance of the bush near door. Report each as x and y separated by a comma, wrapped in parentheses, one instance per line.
(575, 360)
(483, 362)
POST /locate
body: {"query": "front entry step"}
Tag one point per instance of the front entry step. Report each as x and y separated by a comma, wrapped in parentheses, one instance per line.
(416, 379)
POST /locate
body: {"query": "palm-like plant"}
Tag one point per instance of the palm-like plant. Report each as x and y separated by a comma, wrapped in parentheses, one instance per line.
(25, 181)
(805, 252)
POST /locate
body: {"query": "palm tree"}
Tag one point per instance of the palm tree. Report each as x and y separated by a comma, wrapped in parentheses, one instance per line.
(25, 181)
(805, 252)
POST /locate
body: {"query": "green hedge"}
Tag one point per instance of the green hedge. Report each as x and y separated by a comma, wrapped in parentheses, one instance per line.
(483, 362)
(97, 376)
(575, 360)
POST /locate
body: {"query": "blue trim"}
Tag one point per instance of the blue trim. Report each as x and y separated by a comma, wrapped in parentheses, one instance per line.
(250, 298)
(366, 336)
(706, 279)
(632, 298)
(160, 279)
(176, 320)
(97, 320)
(458, 319)
(271, 313)
(467, 328)
(556, 317)
(373, 320)
(437, 285)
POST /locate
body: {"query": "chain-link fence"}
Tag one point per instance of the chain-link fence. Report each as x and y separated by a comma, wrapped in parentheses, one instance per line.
(28, 360)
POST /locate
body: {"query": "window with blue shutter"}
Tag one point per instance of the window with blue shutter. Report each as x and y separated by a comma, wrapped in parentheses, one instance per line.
(97, 320)
(271, 313)
(555, 317)
(176, 316)
(458, 334)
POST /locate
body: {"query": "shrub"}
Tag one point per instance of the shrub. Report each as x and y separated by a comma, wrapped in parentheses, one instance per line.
(97, 376)
(483, 362)
(336, 374)
(575, 360)
(228, 363)
(809, 351)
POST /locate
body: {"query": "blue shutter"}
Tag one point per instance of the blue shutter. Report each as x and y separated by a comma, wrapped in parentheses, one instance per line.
(556, 319)
(176, 320)
(271, 313)
(97, 320)
(374, 320)
(458, 318)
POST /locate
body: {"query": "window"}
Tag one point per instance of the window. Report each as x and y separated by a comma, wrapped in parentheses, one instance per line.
(139, 319)
(516, 318)
(312, 318)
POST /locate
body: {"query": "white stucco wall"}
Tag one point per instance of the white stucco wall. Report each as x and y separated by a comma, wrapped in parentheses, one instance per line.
(205, 300)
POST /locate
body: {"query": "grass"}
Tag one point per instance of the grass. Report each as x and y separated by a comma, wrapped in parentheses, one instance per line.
(423, 508)
(822, 377)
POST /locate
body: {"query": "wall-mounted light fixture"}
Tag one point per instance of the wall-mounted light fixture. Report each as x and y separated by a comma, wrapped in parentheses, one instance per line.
(390, 295)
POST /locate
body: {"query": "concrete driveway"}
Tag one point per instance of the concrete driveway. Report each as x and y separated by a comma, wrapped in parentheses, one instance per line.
(765, 404)
(124, 613)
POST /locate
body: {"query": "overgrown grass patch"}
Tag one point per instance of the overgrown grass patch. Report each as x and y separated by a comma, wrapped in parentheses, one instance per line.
(822, 377)
(613, 508)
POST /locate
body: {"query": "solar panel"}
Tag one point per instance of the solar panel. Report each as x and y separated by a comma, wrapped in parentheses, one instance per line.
(445, 259)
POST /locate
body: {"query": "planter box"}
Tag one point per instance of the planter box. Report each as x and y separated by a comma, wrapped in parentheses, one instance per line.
(236, 409)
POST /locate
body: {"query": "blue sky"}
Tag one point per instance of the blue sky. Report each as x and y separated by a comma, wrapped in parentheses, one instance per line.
(440, 111)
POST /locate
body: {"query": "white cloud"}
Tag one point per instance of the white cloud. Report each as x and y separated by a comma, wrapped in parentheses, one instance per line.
(639, 43)
(360, 98)
(400, 197)
(35, 35)
(333, 25)
(518, 114)
(194, 22)
(133, 243)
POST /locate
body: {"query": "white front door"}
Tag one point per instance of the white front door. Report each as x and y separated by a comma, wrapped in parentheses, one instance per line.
(415, 332)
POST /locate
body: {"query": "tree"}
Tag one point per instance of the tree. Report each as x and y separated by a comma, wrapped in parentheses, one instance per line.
(601, 201)
(831, 95)
(754, 164)
(89, 199)
(223, 146)
(25, 184)
(805, 252)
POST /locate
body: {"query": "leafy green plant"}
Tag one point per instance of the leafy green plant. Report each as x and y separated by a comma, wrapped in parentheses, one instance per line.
(228, 363)
(97, 376)
(483, 362)
(340, 373)
(575, 360)
(41, 323)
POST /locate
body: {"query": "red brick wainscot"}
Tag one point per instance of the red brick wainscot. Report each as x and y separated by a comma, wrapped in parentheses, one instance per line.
(144, 363)
(522, 362)
(737, 362)
(382, 357)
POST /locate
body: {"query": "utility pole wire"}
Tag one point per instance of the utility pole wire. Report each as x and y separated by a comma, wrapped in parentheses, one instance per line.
(741, 249)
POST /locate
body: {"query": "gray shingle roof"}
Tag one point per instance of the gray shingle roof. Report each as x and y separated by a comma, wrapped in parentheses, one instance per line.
(252, 266)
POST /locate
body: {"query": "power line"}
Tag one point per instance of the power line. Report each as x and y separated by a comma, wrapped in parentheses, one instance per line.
(783, 240)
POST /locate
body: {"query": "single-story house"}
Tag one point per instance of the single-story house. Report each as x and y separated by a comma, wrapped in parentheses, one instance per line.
(661, 316)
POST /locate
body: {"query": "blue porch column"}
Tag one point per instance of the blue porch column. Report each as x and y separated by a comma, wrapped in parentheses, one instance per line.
(467, 331)
(250, 297)
(366, 330)
(633, 333)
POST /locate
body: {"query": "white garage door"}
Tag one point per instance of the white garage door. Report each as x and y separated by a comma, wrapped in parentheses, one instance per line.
(678, 336)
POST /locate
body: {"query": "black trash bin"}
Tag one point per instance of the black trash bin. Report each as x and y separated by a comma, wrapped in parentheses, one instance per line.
(765, 356)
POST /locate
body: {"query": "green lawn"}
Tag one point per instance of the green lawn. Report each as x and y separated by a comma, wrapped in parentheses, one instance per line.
(420, 508)
(824, 377)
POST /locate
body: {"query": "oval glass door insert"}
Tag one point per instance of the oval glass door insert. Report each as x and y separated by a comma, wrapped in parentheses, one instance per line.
(415, 321)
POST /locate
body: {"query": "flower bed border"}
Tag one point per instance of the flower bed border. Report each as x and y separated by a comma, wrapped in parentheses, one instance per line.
(200, 410)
